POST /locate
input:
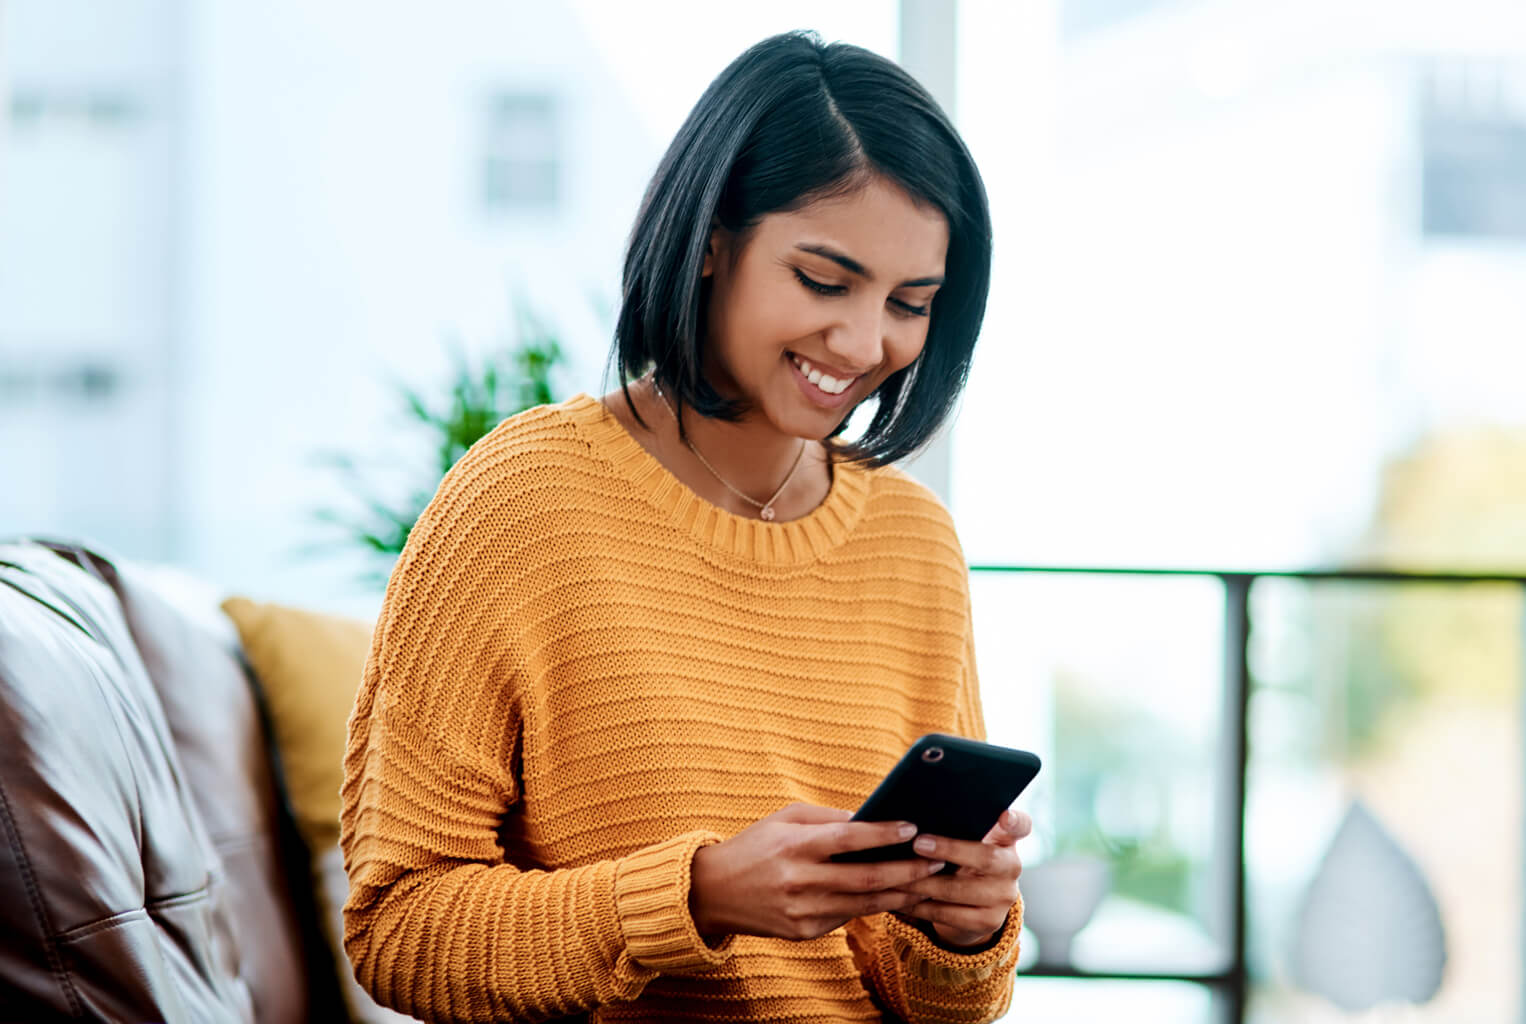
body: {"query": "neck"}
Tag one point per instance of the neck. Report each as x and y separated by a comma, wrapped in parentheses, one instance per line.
(749, 454)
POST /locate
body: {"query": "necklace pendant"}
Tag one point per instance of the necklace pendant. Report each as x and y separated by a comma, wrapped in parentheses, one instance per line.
(766, 513)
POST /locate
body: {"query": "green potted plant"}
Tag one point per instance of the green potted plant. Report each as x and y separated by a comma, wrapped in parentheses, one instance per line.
(478, 396)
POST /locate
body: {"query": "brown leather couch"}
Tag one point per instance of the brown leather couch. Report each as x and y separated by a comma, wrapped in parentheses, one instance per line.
(149, 866)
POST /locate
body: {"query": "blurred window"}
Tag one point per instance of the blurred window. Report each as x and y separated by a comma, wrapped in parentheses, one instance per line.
(522, 164)
(1122, 872)
(1383, 818)
(1474, 151)
(35, 108)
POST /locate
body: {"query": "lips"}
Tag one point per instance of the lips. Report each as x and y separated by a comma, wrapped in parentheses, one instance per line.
(826, 382)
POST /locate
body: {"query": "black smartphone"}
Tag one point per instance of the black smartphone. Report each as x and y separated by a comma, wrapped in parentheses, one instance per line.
(946, 786)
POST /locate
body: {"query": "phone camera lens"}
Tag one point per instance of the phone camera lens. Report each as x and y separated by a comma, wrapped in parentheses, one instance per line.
(932, 755)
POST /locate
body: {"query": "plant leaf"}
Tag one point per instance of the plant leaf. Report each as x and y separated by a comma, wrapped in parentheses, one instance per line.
(478, 395)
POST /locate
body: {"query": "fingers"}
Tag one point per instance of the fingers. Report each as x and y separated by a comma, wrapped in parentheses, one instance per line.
(1009, 828)
(810, 814)
(867, 904)
(970, 905)
(968, 891)
(986, 858)
(826, 895)
(888, 874)
(816, 919)
(1018, 823)
(848, 836)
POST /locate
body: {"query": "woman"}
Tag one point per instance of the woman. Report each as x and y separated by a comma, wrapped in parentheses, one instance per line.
(643, 653)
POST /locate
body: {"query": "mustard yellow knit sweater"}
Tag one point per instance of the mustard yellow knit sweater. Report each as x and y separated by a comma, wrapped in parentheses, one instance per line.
(581, 674)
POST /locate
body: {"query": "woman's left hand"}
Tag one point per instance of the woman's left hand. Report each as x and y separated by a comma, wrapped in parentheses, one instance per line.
(970, 906)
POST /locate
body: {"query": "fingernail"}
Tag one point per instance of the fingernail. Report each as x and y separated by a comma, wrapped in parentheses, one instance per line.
(933, 867)
(906, 830)
(924, 844)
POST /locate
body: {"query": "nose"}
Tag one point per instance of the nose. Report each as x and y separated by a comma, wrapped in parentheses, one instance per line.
(857, 343)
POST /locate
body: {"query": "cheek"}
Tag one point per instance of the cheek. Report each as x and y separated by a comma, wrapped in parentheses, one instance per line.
(902, 349)
(767, 318)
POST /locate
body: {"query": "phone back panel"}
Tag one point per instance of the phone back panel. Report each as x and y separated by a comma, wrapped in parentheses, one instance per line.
(947, 786)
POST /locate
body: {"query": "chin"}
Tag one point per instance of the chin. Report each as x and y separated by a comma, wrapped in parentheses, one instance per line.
(815, 428)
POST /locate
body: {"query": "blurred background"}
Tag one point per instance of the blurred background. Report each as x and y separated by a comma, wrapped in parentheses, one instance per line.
(1259, 307)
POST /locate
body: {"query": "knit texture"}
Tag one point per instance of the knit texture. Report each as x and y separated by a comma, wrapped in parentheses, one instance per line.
(582, 673)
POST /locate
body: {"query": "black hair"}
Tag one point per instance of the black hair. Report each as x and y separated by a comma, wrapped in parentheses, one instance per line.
(791, 121)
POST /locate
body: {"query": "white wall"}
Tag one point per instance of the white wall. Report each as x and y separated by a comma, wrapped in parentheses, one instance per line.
(291, 223)
(1214, 314)
(338, 243)
(1200, 214)
(336, 238)
(87, 271)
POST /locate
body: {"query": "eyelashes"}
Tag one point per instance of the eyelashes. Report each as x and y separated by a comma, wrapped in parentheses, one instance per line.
(820, 288)
(816, 286)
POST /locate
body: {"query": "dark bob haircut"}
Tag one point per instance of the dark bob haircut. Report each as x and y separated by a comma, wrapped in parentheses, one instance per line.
(792, 121)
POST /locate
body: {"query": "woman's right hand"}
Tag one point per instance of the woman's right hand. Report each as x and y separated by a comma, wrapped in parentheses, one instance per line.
(776, 878)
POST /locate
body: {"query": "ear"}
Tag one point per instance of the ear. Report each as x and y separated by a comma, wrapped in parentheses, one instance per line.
(714, 249)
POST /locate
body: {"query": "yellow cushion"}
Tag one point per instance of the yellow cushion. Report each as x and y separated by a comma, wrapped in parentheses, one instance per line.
(309, 667)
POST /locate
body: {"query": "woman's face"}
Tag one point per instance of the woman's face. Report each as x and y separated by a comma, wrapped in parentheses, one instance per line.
(818, 306)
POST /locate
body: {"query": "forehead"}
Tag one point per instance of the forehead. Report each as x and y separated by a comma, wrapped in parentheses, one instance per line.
(880, 225)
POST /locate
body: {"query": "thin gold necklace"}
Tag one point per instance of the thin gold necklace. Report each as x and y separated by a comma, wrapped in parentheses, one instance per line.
(765, 508)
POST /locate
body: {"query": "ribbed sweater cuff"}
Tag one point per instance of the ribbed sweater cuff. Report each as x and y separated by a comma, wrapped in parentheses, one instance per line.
(652, 901)
(923, 958)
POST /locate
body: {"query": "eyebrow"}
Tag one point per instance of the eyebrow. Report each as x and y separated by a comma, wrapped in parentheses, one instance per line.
(853, 266)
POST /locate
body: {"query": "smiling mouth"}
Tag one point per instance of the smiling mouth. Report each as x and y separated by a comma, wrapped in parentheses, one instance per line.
(826, 382)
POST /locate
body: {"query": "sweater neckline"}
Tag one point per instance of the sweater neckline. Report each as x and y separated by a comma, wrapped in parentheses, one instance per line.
(795, 542)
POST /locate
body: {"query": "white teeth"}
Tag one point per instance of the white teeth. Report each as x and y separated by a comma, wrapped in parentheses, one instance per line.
(831, 385)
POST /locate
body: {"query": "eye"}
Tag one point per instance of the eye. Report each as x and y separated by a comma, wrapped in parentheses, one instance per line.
(817, 286)
(821, 288)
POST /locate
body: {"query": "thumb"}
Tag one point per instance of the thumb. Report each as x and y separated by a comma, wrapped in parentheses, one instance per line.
(810, 814)
(1009, 828)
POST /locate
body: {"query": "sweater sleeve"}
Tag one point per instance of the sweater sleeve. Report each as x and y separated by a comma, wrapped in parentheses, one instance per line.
(916, 978)
(437, 925)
